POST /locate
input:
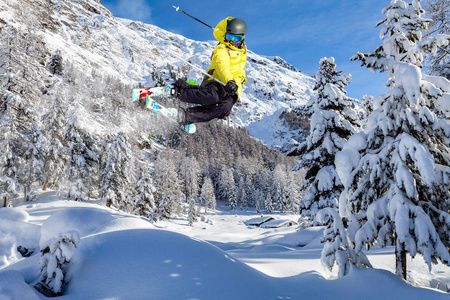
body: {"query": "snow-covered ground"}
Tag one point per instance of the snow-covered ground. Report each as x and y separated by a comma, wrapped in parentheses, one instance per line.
(126, 257)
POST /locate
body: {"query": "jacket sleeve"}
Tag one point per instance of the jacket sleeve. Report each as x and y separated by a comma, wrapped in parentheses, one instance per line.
(221, 62)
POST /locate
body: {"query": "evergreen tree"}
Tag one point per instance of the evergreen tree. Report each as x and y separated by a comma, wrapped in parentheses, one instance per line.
(439, 12)
(396, 173)
(258, 199)
(190, 176)
(207, 195)
(55, 122)
(35, 148)
(268, 203)
(9, 156)
(365, 109)
(144, 200)
(338, 247)
(279, 187)
(117, 174)
(82, 161)
(292, 190)
(193, 212)
(241, 193)
(168, 189)
(333, 121)
(227, 188)
(55, 258)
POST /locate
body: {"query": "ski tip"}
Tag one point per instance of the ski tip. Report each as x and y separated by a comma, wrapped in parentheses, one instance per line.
(190, 128)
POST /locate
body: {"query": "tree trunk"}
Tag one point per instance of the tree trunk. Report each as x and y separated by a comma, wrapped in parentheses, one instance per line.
(400, 259)
(25, 193)
(45, 186)
(4, 202)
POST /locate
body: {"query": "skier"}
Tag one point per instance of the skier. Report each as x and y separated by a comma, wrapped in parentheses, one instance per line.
(228, 66)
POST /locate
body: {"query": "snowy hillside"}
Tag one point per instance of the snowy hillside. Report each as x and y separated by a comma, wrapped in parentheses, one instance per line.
(92, 40)
(125, 257)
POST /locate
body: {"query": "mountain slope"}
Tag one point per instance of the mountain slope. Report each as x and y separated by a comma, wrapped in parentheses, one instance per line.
(92, 41)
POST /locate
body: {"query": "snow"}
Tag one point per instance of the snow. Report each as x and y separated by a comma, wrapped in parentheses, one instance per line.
(278, 223)
(258, 220)
(120, 256)
(443, 104)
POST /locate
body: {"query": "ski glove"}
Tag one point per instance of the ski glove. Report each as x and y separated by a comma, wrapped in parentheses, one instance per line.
(231, 88)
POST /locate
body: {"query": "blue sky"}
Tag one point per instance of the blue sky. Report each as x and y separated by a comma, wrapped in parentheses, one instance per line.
(299, 31)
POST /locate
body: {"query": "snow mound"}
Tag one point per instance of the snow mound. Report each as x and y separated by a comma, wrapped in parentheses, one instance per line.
(125, 224)
(13, 286)
(307, 235)
(13, 214)
(84, 220)
(161, 265)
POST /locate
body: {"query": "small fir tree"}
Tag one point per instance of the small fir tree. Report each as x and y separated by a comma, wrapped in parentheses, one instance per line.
(207, 195)
(55, 259)
(144, 200)
(227, 188)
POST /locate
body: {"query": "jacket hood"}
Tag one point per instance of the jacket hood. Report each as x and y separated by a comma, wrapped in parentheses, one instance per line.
(219, 33)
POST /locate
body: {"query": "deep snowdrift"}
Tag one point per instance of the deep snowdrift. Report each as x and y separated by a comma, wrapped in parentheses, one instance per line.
(126, 257)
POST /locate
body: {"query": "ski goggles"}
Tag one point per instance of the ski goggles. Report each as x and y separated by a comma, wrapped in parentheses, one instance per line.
(234, 38)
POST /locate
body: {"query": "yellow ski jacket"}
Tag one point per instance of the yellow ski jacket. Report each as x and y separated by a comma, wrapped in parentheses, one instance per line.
(227, 61)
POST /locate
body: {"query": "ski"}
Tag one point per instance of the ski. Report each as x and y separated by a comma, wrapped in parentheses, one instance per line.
(150, 103)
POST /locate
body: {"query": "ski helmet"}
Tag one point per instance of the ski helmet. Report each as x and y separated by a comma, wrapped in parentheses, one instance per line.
(236, 26)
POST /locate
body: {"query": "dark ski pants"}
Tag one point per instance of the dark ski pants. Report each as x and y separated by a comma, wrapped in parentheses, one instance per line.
(215, 103)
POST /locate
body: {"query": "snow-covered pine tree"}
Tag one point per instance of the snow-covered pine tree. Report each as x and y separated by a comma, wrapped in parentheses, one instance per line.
(258, 199)
(292, 192)
(365, 109)
(439, 12)
(262, 181)
(82, 162)
(333, 121)
(279, 188)
(242, 193)
(35, 148)
(9, 156)
(190, 177)
(17, 116)
(394, 172)
(117, 173)
(338, 248)
(193, 212)
(168, 193)
(55, 122)
(207, 194)
(144, 200)
(268, 203)
(227, 188)
(56, 254)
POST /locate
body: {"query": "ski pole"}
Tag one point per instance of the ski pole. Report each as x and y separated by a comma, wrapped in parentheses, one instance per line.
(178, 9)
